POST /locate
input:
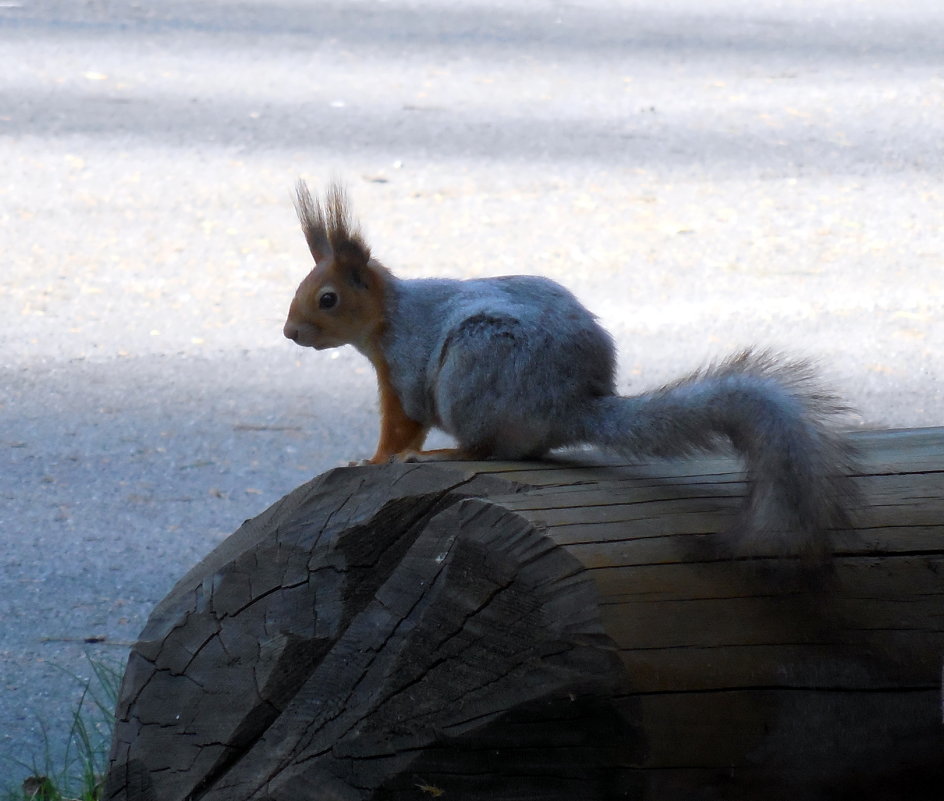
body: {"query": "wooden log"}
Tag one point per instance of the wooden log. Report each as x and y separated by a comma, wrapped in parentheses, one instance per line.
(546, 631)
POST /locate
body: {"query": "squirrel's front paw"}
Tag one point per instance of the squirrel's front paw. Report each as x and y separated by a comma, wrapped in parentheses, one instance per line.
(379, 459)
(441, 455)
(414, 457)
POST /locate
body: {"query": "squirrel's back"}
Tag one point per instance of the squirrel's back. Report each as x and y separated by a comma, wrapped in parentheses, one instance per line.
(519, 346)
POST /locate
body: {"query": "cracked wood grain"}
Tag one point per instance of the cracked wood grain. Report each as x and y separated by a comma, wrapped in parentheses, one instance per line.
(546, 631)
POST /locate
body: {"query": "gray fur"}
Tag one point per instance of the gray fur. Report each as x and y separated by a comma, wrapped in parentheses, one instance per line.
(514, 367)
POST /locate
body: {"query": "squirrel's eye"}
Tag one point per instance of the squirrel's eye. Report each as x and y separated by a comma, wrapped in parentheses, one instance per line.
(328, 300)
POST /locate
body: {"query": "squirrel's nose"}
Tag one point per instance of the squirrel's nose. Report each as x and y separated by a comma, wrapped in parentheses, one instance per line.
(291, 332)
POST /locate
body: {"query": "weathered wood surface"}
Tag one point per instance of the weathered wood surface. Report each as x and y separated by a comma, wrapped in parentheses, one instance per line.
(546, 631)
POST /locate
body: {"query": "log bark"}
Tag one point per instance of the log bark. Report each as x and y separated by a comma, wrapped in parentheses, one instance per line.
(546, 631)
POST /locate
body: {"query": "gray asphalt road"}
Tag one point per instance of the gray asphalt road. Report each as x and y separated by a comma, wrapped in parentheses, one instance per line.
(705, 174)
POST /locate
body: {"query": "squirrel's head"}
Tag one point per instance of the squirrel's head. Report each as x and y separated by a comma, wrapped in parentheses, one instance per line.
(340, 302)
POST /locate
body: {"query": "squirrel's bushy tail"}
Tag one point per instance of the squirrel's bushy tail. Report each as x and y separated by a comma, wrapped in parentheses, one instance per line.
(775, 417)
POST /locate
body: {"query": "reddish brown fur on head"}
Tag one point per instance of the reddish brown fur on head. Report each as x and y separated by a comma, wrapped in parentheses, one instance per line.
(340, 302)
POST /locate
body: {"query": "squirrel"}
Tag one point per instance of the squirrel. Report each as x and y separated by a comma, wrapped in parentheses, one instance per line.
(514, 367)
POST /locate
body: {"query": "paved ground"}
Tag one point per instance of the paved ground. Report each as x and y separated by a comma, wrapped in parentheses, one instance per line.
(705, 174)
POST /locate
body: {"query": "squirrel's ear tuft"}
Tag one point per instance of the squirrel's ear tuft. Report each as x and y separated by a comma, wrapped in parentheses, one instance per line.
(350, 251)
(332, 233)
(312, 218)
(350, 258)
